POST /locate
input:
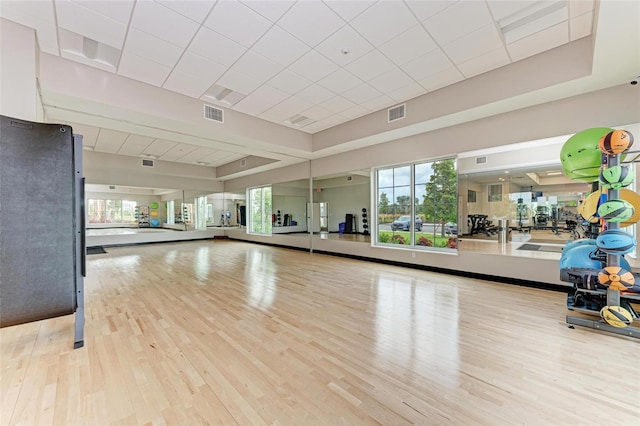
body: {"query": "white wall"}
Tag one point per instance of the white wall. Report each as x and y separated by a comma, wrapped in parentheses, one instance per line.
(345, 199)
(18, 53)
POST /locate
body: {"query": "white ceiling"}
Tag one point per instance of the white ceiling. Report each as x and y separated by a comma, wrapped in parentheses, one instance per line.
(329, 61)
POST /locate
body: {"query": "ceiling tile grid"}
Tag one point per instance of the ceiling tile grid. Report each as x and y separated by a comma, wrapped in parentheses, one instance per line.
(329, 61)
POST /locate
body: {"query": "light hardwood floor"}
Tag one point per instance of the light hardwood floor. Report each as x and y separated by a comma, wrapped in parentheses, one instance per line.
(224, 332)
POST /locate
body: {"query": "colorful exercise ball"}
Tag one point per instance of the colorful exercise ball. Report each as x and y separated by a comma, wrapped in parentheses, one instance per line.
(616, 241)
(616, 316)
(588, 209)
(154, 205)
(155, 222)
(580, 257)
(616, 211)
(615, 142)
(580, 155)
(616, 278)
(616, 177)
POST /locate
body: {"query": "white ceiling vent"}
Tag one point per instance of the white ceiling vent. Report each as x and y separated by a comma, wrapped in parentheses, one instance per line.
(213, 113)
(147, 162)
(299, 120)
(481, 160)
(396, 113)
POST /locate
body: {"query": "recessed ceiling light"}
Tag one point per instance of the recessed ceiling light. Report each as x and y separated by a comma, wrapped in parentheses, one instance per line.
(201, 163)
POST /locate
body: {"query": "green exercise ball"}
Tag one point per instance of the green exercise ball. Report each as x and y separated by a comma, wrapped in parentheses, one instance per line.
(581, 156)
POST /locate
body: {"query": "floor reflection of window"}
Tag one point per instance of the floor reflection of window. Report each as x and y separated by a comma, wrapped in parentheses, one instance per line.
(260, 276)
(417, 326)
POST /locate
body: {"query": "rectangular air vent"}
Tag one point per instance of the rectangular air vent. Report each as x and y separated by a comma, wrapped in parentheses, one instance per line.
(396, 113)
(146, 162)
(112, 187)
(481, 160)
(213, 113)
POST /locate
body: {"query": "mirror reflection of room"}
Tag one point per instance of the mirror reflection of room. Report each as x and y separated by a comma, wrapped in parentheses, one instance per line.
(536, 201)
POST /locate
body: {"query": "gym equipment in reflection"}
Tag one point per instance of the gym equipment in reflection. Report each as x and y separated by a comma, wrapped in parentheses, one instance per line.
(350, 224)
(142, 215)
(243, 215)
(480, 224)
(602, 282)
(43, 259)
(225, 219)
(365, 222)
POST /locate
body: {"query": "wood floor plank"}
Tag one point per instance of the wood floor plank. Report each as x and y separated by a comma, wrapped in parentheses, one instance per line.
(225, 332)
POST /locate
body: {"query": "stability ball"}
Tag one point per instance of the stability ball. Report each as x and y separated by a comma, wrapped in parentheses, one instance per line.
(581, 156)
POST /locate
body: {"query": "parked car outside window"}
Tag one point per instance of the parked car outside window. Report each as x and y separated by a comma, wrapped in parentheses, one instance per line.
(404, 223)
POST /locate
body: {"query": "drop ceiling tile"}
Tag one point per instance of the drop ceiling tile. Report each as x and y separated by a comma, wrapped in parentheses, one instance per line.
(147, 46)
(135, 145)
(475, 44)
(426, 9)
(340, 81)
(409, 45)
(335, 119)
(501, 9)
(256, 66)
(239, 82)
(131, 150)
(138, 140)
(458, 20)
(383, 21)
(196, 10)
(315, 94)
(200, 67)
(441, 79)
(119, 10)
(539, 42)
(178, 151)
(315, 127)
(142, 69)
(159, 147)
(285, 109)
(187, 84)
(485, 62)
(280, 46)
(542, 23)
(216, 47)
(405, 93)
(272, 10)
(361, 93)
(110, 139)
(91, 24)
(89, 133)
(581, 26)
(580, 7)
(261, 100)
(313, 66)
(379, 103)
(238, 22)
(164, 23)
(199, 154)
(337, 104)
(355, 111)
(431, 63)
(311, 22)
(345, 38)
(39, 16)
(349, 9)
(288, 81)
(370, 65)
(390, 81)
(317, 113)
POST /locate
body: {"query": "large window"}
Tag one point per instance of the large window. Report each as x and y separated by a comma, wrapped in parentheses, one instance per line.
(111, 211)
(417, 204)
(260, 210)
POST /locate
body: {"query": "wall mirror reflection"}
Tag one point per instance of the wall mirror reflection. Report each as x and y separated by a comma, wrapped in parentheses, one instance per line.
(340, 206)
(521, 187)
